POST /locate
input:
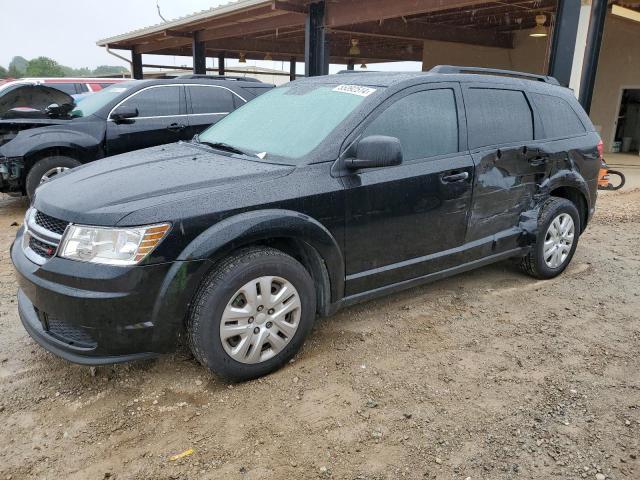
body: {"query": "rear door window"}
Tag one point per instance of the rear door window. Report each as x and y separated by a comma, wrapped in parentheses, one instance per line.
(205, 99)
(497, 116)
(558, 118)
(158, 101)
(426, 123)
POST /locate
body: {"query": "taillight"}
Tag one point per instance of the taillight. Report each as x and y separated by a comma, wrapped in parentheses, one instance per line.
(601, 150)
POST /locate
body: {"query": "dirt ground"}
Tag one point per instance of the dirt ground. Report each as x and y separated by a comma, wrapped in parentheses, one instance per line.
(487, 375)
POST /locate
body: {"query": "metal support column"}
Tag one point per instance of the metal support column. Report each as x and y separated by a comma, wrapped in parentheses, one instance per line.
(292, 69)
(316, 48)
(199, 56)
(136, 65)
(221, 63)
(564, 40)
(592, 52)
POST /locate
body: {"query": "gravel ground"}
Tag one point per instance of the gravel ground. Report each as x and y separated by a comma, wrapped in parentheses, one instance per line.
(487, 375)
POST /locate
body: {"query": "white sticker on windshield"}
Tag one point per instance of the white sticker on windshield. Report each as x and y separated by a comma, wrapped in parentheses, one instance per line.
(118, 90)
(355, 90)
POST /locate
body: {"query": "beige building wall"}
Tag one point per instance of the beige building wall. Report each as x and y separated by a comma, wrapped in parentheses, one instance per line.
(619, 65)
(529, 54)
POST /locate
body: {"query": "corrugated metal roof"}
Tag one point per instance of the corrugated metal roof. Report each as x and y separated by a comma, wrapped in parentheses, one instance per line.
(230, 7)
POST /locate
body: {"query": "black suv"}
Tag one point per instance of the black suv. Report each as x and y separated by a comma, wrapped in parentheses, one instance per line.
(121, 118)
(319, 194)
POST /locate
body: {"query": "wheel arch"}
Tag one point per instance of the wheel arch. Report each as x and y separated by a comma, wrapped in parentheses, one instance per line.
(31, 158)
(576, 196)
(293, 233)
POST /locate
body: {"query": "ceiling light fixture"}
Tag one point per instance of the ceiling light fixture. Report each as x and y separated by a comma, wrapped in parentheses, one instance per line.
(363, 66)
(243, 58)
(354, 51)
(540, 30)
(268, 57)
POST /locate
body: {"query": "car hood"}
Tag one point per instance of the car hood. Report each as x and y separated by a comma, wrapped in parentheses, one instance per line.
(105, 191)
(31, 100)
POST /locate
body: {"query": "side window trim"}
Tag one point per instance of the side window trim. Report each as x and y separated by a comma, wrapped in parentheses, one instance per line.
(357, 132)
(183, 107)
(190, 107)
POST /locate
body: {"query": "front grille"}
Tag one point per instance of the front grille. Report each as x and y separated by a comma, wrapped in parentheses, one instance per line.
(40, 248)
(50, 223)
(42, 236)
(76, 336)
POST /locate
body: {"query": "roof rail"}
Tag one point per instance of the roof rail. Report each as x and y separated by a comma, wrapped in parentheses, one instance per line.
(191, 76)
(494, 71)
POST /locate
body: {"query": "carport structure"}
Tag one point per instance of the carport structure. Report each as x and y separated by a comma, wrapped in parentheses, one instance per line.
(351, 32)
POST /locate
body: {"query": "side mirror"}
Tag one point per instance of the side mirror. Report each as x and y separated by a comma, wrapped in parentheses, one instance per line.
(376, 151)
(124, 112)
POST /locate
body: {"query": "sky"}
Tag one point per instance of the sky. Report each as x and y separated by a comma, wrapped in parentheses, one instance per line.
(67, 30)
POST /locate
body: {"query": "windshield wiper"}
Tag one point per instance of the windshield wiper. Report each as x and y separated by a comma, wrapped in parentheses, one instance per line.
(221, 146)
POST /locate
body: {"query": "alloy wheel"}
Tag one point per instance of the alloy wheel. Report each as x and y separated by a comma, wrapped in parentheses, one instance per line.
(52, 172)
(558, 240)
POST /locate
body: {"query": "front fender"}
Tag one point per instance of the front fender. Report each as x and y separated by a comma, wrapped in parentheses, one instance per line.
(29, 142)
(255, 226)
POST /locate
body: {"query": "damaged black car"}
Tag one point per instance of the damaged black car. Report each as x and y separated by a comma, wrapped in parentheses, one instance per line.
(43, 133)
(322, 193)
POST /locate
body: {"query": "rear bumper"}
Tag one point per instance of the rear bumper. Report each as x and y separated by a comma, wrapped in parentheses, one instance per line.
(96, 314)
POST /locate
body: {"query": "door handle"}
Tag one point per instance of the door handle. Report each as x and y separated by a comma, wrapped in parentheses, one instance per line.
(455, 177)
(176, 127)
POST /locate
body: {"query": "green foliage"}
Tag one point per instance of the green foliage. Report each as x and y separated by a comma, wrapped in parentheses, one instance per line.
(109, 70)
(47, 67)
(44, 67)
(18, 66)
(76, 72)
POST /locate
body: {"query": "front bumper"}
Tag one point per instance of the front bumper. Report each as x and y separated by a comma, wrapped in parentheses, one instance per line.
(97, 314)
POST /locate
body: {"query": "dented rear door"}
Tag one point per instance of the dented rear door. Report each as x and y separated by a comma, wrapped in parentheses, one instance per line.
(509, 163)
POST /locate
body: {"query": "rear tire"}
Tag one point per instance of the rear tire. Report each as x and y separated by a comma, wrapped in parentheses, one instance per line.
(223, 320)
(46, 168)
(558, 233)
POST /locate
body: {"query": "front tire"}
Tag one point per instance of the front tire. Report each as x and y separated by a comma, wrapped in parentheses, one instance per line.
(558, 233)
(252, 314)
(46, 169)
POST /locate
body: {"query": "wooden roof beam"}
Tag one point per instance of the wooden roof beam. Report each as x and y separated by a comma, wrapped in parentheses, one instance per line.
(288, 7)
(289, 19)
(348, 12)
(256, 49)
(233, 30)
(415, 31)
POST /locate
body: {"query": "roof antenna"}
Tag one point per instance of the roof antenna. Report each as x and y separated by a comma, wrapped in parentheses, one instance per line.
(160, 14)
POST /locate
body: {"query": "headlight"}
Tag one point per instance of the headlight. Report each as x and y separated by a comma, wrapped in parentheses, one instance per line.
(111, 246)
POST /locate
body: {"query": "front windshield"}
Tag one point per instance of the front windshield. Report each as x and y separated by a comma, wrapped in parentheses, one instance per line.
(92, 103)
(288, 121)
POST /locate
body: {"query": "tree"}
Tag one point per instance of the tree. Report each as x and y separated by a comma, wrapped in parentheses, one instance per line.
(44, 67)
(109, 70)
(17, 67)
(19, 64)
(3, 72)
(76, 72)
